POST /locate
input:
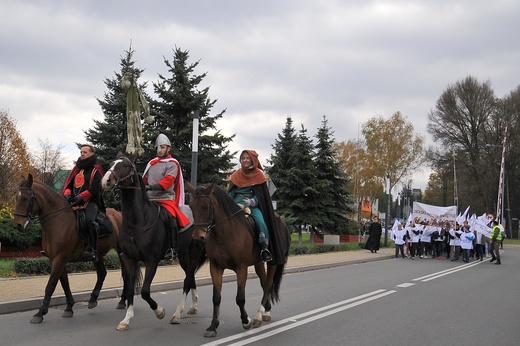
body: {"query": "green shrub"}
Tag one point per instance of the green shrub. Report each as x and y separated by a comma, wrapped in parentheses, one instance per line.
(42, 266)
(21, 239)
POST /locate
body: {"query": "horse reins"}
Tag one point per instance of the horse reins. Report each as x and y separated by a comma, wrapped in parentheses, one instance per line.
(210, 225)
(38, 219)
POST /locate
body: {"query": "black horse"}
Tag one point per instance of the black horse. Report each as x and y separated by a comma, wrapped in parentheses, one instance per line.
(145, 238)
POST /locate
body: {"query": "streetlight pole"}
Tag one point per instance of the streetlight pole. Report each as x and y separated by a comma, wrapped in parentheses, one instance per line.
(195, 147)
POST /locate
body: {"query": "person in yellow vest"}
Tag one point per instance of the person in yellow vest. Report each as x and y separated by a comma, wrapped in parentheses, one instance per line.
(496, 239)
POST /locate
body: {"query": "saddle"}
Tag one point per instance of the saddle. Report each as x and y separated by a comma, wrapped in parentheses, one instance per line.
(105, 225)
(250, 221)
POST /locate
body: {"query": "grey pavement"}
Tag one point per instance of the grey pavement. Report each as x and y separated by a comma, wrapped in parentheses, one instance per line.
(26, 293)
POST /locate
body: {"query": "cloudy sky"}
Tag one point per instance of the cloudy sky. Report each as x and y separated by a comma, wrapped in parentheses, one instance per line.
(266, 60)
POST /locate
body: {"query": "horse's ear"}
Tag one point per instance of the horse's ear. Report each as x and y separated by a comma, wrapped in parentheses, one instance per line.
(119, 154)
(29, 180)
(133, 156)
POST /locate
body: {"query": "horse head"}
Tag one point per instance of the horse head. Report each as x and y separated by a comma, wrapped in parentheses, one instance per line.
(121, 172)
(24, 204)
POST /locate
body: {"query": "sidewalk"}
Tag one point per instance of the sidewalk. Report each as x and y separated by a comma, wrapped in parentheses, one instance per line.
(22, 294)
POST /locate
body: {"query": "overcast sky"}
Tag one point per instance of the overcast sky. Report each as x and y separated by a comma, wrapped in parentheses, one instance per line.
(266, 60)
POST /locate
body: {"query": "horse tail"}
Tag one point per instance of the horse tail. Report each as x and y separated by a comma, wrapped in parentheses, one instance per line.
(277, 282)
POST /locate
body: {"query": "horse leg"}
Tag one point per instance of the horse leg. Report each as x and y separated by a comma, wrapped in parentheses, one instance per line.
(49, 290)
(216, 278)
(264, 283)
(241, 297)
(101, 275)
(122, 302)
(64, 280)
(190, 265)
(151, 269)
(131, 271)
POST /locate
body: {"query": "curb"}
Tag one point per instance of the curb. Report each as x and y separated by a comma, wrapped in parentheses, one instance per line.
(111, 293)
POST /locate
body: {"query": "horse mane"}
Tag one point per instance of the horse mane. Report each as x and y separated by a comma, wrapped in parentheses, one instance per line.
(227, 202)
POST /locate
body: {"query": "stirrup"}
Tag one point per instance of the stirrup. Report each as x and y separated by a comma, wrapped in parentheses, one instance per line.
(91, 255)
(265, 255)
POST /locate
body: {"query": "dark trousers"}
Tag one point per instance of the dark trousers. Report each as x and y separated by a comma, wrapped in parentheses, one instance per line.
(399, 248)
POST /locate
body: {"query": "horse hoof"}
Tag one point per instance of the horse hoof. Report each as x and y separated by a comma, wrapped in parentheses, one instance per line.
(210, 333)
(256, 323)
(36, 319)
(160, 312)
(266, 317)
(122, 327)
(193, 311)
(175, 320)
(121, 306)
(92, 305)
(67, 314)
(248, 324)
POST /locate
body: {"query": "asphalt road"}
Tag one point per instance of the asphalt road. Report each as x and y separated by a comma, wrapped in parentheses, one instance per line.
(388, 302)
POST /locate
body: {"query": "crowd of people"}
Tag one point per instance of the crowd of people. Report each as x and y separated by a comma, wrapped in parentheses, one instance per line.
(437, 240)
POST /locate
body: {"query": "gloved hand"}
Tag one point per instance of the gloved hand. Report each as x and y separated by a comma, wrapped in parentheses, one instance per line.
(68, 197)
(76, 201)
(156, 187)
(249, 202)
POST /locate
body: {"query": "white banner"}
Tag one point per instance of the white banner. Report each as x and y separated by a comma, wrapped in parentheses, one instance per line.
(482, 227)
(432, 212)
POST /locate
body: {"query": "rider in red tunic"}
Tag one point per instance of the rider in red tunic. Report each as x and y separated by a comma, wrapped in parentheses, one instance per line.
(82, 189)
(165, 185)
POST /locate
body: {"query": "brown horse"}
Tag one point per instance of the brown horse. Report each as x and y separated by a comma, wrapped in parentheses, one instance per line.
(230, 244)
(61, 241)
(145, 238)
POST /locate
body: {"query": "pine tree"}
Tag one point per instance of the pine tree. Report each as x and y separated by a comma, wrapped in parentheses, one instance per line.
(331, 183)
(301, 181)
(178, 98)
(110, 136)
(280, 162)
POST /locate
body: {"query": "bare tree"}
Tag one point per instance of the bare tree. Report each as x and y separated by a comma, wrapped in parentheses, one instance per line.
(48, 162)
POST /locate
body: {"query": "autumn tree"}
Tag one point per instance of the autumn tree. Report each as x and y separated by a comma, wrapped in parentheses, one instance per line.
(392, 148)
(363, 185)
(15, 161)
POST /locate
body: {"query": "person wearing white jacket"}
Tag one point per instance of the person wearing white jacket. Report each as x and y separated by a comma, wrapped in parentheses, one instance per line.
(399, 237)
(466, 242)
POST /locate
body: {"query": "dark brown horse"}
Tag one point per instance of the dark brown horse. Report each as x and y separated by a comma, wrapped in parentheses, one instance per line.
(145, 238)
(230, 244)
(61, 240)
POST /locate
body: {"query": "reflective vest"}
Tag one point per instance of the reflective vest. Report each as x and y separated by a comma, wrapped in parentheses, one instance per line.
(498, 230)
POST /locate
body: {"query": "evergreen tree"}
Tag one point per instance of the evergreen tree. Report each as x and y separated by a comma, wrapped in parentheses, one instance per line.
(331, 182)
(280, 163)
(302, 195)
(110, 136)
(178, 99)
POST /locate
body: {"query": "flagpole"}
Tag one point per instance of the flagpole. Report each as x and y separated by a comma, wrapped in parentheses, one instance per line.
(500, 202)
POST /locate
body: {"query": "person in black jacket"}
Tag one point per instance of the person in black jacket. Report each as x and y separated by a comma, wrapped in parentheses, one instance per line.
(374, 235)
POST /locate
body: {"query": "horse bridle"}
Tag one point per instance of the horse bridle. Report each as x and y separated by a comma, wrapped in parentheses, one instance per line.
(208, 226)
(29, 216)
(129, 175)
